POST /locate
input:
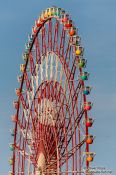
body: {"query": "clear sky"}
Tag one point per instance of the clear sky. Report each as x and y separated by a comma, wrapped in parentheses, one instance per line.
(96, 20)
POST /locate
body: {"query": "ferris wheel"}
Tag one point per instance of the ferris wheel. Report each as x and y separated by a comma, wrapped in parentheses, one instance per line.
(52, 123)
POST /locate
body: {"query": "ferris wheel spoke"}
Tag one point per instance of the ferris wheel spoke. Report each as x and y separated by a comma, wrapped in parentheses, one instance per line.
(24, 137)
(56, 33)
(24, 102)
(68, 52)
(51, 67)
(31, 60)
(70, 129)
(62, 43)
(27, 82)
(37, 48)
(50, 45)
(69, 153)
(43, 39)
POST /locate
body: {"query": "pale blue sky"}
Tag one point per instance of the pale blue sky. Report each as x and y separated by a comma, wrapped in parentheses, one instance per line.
(96, 20)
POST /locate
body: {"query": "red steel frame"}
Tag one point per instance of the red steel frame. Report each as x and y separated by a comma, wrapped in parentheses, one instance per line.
(63, 144)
